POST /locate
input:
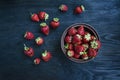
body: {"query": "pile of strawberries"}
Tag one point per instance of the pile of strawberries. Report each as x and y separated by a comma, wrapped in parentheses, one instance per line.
(74, 45)
(80, 43)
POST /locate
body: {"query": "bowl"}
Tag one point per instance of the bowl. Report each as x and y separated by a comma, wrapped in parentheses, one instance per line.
(87, 28)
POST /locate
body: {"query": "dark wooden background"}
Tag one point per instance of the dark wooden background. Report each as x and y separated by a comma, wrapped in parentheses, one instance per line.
(103, 15)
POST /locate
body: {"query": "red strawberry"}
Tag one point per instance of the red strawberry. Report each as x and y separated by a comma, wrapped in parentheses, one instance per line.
(43, 15)
(92, 52)
(35, 17)
(39, 40)
(79, 49)
(63, 7)
(46, 56)
(28, 51)
(79, 9)
(87, 37)
(93, 37)
(77, 39)
(29, 35)
(84, 56)
(81, 30)
(55, 23)
(44, 28)
(86, 46)
(95, 44)
(76, 56)
(68, 39)
(70, 53)
(37, 61)
(72, 31)
(68, 46)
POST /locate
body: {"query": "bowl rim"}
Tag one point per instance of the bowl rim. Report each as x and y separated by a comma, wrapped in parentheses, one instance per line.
(64, 34)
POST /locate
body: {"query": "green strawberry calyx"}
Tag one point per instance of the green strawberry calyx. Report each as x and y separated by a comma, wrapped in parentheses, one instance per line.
(56, 19)
(46, 16)
(25, 35)
(66, 46)
(94, 44)
(38, 39)
(43, 24)
(82, 7)
(26, 48)
(69, 53)
(61, 6)
(44, 54)
(87, 37)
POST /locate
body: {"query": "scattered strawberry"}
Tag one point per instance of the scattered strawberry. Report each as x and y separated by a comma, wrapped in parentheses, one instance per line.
(84, 56)
(70, 53)
(29, 35)
(76, 56)
(39, 40)
(79, 49)
(95, 44)
(81, 30)
(77, 39)
(63, 8)
(92, 52)
(55, 23)
(43, 15)
(87, 37)
(68, 46)
(28, 51)
(46, 56)
(68, 39)
(72, 31)
(35, 17)
(79, 9)
(37, 61)
(44, 28)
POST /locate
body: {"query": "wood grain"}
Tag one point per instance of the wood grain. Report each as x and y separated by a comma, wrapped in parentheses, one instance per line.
(103, 15)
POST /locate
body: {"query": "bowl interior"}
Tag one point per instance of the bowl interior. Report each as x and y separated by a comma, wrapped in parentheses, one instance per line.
(87, 28)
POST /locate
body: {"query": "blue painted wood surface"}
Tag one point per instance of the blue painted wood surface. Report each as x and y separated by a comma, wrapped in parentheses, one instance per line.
(103, 15)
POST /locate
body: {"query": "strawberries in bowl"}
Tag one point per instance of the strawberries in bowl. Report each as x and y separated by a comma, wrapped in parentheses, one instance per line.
(80, 43)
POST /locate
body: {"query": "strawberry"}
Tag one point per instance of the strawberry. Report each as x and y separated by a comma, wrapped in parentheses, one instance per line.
(72, 31)
(68, 46)
(34, 17)
(79, 49)
(63, 8)
(92, 52)
(55, 23)
(77, 39)
(87, 37)
(43, 15)
(28, 51)
(81, 30)
(46, 56)
(79, 9)
(44, 28)
(76, 56)
(93, 37)
(86, 46)
(68, 39)
(37, 61)
(70, 53)
(95, 44)
(84, 56)
(29, 35)
(39, 40)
